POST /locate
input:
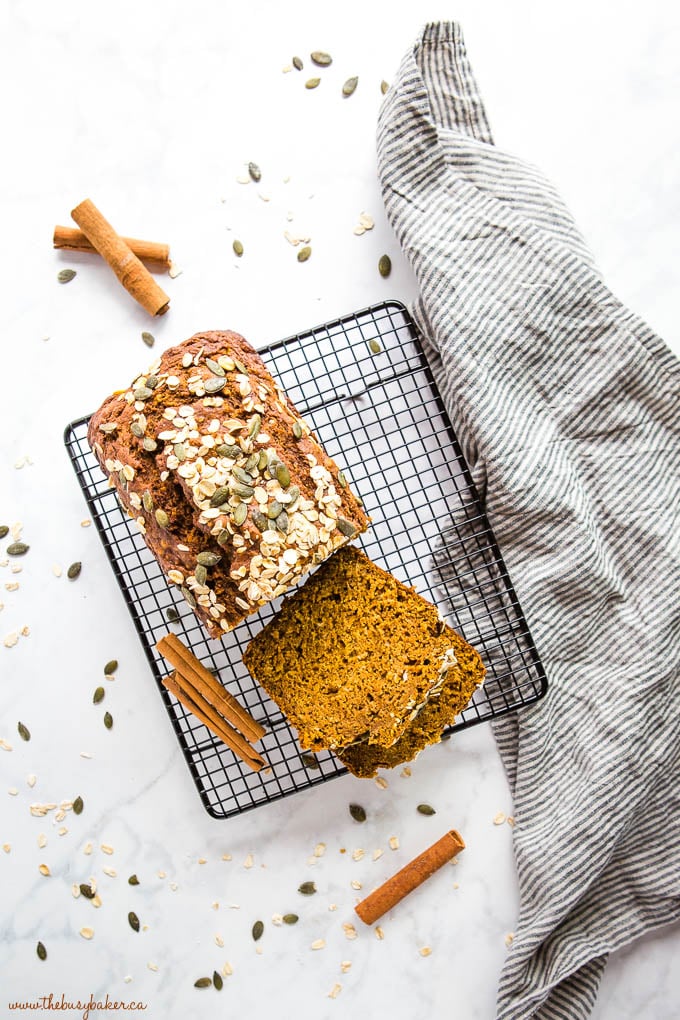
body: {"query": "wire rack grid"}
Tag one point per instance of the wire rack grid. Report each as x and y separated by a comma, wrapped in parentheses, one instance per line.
(364, 385)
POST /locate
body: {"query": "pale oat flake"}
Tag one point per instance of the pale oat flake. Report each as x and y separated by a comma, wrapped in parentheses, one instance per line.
(425, 951)
(394, 842)
(349, 930)
(318, 944)
(5, 745)
(152, 966)
(345, 966)
(87, 933)
(227, 970)
(381, 782)
(499, 818)
(44, 870)
(335, 991)
(249, 861)
(356, 884)
(509, 938)
(42, 840)
(31, 780)
(7, 847)
(379, 933)
(377, 854)
(106, 849)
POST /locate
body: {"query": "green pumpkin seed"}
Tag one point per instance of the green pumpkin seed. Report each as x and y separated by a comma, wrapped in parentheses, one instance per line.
(384, 266)
(283, 476)
(133, 880)
(215, 368)
(204, 982)
(66, 275)
(209, 559)
(171, 615)
(312, 83)
(342, 480)
(254, 172)
(242, 490)
(321, 59)
(142, 393)
(219, 496)
(350, 86)
(274, 509)
(148, 338)
(240, 513)
(152, 381)
(161, 518)
(214, 385)
(282, 522)
(137, 430)
(357, 812)
(242, 475)
(17, 549)
(425, 809)
(24, 732)
(383, 86)
(149, 444)
(189, 597)
(238, 248)
(253, 463)
(110, 667)
(294, 494)
(307, 888)
(133, 921)
(98, 696)
(258, 519)
(255, 425)
(4, 530)
(41, 951)
(297, 430)
(78, 806)
(201, 574)
(180, 451)
(217, 981)
(346, 528)
(240, 366)
(225, 450)
(262, 460)
(297, 63)
(87, 891)
(108, 720)
(374, 346)
(74, 570)
(258, 929)
(304, 253)
(309, 761)
(224, 538)
(290, 918)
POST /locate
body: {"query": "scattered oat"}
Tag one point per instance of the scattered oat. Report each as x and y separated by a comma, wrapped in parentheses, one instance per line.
(358, 854)
(13, 791)
(277, 919)
(11, 640)
(106, 849)
(319, 849)
(75, 890)
(349, 930)
(127, 979)
(85, 754)
(5, 745)
(234, 906)
(96, 900)
(359, 230)
(174, 271)
(335, 991)
(219, 941)
(345, 966)
(44, 870)
(111, 872)
(377, 854)
(60, 815)
(153, 967)
(174, 886)
(511, 821)
(42, 840)
(356, 884)
(24, 632)
(456, 885)
(86, 523)
(509, 938)
(161, 874)
(12, 586)
(226, 857)
(394, 842)
(227, 970)
(87, 933)
(249, 861)
(62, 831)
(318, 944)
(379, 933)
(381, 782)
(499, 818)
(425, 951)
(216, 905)
(7, 847)
(406, 771)
(31, 780)
(88, 848)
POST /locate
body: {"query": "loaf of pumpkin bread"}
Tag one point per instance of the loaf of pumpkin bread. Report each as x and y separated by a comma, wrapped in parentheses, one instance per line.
(233, 493)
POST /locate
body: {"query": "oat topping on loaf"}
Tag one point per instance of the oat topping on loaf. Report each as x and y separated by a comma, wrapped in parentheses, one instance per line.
(232, 491)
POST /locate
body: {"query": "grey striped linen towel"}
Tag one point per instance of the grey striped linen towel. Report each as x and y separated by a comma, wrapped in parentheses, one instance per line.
(567, 406)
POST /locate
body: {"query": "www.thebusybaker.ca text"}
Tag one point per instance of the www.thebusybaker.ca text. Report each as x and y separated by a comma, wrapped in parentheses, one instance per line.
(82, 1006)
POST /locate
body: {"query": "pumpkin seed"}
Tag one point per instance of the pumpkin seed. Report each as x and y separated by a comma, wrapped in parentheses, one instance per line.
(152, 381)
(297, 63)
(87, 891)
(133, 880)
(350, 86)
(258, 929)
(171, 614)
(209, 559)
(204, 982)
(342, 480)
(225, 450)
(142, 393)
(137, 430)
(307, 888)
(346, 528)
(253, 462)
(162, 518)
(384, 266)
(254, 172)
(304, 253)
(180, 451)
(41, 951)
(74, 570)
(258, 519)
(238, 248)
(374, 346)
(24, 731)
(149, 444)
(110, 667)
(297, 430)
(262, 460)
(65, 275)
(215, 368)
(148, 338)
(425, 809)
(219, 496)
(357, 812)
(98, 696)
(242, 475)
(240, 366)
(383, 86)
(283, 476)
(290, 918)
(217, 981)
(4, 530)
(78, 806)
(294, 494)
(312, 83)
(224, 538)
(282, 522)
(321, 59)
(255, 425)
(309, 761)
(108, 720)
(133, 921)
(274, 509)
(242, 490)
(189, 597)
(201, 574)
(240, 513)
(214, 385)
(17, 549)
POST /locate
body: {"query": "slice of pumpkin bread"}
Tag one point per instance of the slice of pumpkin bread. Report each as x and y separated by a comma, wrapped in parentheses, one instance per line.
(355, 659)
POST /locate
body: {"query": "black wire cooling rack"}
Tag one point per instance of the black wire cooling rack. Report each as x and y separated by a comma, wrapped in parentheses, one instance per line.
(365, 386)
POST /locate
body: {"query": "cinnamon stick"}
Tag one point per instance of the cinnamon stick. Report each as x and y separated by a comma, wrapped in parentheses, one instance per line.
(190, 668)
(410, 877)
(155, 255)
(137, 280)
(209, 717)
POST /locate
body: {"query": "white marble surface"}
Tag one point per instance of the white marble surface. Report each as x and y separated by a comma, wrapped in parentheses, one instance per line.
(152, 110)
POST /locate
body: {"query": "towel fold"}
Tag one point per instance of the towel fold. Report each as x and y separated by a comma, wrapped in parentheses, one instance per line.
(568, 410)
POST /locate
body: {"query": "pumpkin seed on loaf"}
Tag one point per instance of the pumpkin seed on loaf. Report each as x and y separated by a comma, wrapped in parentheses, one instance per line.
(363, 665)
